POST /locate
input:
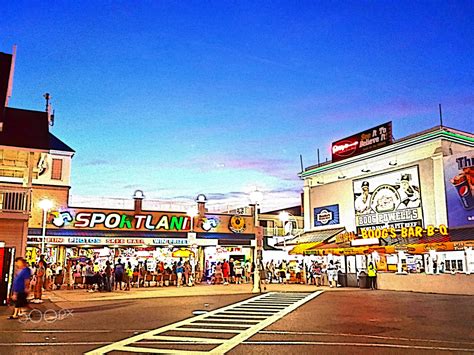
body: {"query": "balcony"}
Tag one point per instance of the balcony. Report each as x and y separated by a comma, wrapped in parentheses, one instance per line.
(280, 232)
(14, 202)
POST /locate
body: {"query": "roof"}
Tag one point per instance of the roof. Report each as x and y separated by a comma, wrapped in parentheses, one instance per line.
(56, 144)
(25, 129)
(436, 132)
(315, 236)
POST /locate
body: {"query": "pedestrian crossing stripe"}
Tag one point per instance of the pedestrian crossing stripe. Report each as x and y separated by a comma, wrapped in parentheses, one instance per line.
(225, 320)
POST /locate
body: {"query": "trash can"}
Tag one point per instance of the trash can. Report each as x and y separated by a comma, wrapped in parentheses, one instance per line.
(342, 279)
(363, 280)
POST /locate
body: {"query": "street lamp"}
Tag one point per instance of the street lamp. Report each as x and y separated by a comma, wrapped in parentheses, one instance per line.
(46, 206)
(256, 197)
(284, 218)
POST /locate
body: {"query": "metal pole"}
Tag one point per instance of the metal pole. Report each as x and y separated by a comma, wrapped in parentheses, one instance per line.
(256, 273)
(43, 234)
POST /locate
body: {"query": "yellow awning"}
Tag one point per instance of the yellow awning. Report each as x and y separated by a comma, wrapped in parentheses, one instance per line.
(300, 248)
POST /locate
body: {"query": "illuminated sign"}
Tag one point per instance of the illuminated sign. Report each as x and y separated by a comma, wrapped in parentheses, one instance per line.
(459, 183)
(363, 142)
(345, 237)
(405, 232)
(114, 220)
(237, 224)
(388, 200)
(108, 241)
(326, 215)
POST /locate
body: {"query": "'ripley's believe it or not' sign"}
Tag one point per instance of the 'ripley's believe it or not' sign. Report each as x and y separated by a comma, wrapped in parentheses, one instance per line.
(363, 142)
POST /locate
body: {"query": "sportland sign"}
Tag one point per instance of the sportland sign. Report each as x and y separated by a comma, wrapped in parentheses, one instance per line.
(363, 142)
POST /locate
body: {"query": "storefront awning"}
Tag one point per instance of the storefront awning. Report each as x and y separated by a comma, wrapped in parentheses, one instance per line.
(314, 236)
(301, 248)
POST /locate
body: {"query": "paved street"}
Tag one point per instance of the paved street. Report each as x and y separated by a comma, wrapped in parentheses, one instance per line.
(342, 321)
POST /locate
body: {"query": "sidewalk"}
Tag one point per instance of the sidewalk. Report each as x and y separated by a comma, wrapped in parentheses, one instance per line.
(173, 291)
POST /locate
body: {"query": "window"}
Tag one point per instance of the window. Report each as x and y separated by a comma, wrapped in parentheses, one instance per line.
(57, 169)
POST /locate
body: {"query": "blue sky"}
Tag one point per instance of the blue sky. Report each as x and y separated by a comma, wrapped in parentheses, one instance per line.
(182, 97)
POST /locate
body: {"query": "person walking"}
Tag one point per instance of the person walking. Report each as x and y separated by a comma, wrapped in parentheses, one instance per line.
(372, 274)
(108, 276)
(332, 274)
(179, 273)
(90, 276)
(20, 287)
(218, 273)
(128, 276)
(238, 272)
(39, 280)
(186, 272)
(226, 272)
(118, 273)
(68, 276)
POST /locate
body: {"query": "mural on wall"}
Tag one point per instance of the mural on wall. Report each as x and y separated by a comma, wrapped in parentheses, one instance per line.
(459, 182)
(388, 200)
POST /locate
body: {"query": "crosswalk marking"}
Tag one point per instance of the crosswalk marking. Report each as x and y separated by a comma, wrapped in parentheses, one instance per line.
(243, 319)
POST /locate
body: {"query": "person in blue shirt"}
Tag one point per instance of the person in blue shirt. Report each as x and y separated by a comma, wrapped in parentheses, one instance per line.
(21, 285)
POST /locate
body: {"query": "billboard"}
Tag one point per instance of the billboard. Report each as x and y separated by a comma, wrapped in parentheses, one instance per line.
(363, 142)
(459, 183)
(388, 200)
(326, 216)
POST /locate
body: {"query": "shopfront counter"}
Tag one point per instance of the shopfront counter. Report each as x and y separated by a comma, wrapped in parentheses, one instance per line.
(457, 284)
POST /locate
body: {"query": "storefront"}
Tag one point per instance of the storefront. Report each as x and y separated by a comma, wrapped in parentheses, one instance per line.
(408, 203)
(138, 236)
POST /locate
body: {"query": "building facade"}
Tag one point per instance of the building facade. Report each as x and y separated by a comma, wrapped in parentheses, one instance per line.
(397, 192)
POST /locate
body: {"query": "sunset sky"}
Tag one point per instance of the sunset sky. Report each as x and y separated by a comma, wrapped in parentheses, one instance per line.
(185, 97)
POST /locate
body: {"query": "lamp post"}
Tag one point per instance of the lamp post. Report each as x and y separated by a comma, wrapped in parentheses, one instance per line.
(192, 212)
(256, 197)
(45, 205)
(284, 218)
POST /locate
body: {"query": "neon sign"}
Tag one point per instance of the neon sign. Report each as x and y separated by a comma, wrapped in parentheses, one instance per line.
(114, 220)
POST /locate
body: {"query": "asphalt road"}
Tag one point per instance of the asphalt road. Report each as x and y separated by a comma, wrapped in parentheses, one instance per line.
(348, 322)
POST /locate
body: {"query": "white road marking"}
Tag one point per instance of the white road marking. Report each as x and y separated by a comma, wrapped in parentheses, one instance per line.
(371, 345)
(284, 332)
(242, 328)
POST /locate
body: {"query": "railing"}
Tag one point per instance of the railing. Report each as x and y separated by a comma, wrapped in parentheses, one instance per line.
(14, 200)
(280, 232)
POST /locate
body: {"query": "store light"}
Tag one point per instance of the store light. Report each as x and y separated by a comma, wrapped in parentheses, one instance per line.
(138, 194)
(284, 216)
(341, 177)
(45, 204)
(201, 198)
(365, 170)
(392, 163)
(192, 212)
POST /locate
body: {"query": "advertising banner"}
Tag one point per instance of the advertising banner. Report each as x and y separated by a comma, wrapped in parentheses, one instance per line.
(326, 216)
(122, 220)
(459, 182)
(388, 200)
(363, 142)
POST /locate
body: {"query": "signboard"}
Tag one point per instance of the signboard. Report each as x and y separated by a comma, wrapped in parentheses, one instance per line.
(363, 142)
(326, 215)
(124, 220)
(459, 182)
(101, 241)
(405, 232)
(389, 200)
